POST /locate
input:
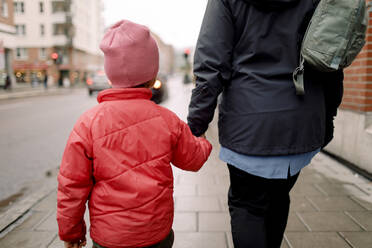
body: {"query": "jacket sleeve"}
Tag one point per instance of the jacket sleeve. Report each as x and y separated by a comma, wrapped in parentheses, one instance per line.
(212, 64)
(74, 185)
(333, 92)
(189, 152)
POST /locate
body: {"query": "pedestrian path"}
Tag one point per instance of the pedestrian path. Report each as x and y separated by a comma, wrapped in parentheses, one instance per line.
(331, 208)
(28, 91)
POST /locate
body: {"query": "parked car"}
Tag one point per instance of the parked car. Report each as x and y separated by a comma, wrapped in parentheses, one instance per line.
(98, 82)
(159, 90)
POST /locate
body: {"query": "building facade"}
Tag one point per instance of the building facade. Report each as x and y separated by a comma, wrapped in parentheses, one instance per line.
(353, 125)
(58, 38)
(7, 35)
(166, 56)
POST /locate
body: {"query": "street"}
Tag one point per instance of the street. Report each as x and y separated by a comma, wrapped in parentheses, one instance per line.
(33, 134)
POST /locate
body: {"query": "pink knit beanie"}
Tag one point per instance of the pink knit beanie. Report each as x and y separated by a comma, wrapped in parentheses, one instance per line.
(131, 54)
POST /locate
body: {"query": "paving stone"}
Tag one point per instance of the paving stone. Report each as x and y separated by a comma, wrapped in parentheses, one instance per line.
(338, 168)
(313, 177)
(284, 244)
(214, 222)
(196, 179)
(366, 187)
(365, 201)
(363, 218)
(185, 222)
(190, 203)
(358, 239)
(49, 203)
(308, 170)
(212, 190)
(334, 203)
(57, 243)
(328, 221)
(342, 178)
(337, 189)
(224, 205)
(7, 218)
(301, 204)
(295, 224)
(48, 224)
(26, 239)
(302, 189)
(33, 219)
(214, 165)
(200, 240)
(316, 240)
(230, 243)
(184, 190)
(223, 180)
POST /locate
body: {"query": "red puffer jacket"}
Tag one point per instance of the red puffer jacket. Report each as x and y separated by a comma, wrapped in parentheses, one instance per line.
(118, 157)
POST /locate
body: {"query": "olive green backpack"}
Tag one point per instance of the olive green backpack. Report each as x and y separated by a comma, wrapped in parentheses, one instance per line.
(334, 37)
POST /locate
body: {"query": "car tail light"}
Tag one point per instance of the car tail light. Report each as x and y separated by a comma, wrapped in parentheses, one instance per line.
(157, 84)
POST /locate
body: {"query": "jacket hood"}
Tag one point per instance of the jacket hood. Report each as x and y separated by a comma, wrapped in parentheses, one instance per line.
(272, 4)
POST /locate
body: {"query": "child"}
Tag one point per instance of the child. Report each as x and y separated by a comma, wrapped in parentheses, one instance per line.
(118, 154)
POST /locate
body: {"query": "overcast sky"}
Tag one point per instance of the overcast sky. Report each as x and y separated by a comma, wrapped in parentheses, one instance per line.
(177, 22)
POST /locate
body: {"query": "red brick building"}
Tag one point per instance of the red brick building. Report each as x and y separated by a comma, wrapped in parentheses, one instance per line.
(353, 125)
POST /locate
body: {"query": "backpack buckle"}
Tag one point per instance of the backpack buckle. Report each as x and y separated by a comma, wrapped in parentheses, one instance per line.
(298, 80)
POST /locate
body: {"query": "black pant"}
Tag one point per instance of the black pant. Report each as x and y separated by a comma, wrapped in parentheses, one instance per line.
(165, 243)
(259, 209)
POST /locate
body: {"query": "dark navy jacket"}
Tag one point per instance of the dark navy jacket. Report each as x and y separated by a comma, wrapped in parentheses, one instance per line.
(247, 50)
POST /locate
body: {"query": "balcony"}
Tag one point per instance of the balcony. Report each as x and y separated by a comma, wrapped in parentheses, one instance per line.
(60, 6)
(58, 17)
(59, 40)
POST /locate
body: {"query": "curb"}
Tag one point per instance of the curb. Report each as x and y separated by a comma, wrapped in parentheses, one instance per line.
(38, 92)
(21, 208)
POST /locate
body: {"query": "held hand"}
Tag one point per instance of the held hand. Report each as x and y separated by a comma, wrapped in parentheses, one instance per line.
(79, 244)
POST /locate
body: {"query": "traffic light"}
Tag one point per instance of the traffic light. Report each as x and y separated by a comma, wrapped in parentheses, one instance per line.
(186, 53)
(57, 59)
(54, 56)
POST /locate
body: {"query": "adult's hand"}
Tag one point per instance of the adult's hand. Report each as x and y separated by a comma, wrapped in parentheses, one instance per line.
(75, 244)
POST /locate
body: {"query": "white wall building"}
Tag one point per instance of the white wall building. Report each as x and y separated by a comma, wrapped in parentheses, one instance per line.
(71, 28)
(7, 36)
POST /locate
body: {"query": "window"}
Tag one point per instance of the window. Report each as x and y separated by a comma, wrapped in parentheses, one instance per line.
(42, 29)
(19, 7)
(20, 29)
(21, 53)
(59, 29)
(42, 53)
(59, 6)
(4, 8)
(41, 7)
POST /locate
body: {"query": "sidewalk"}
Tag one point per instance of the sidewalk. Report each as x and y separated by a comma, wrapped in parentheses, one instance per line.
(331, 208)
(22, 91)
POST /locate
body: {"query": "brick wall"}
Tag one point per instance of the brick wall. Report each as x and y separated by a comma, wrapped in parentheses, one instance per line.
(9, 20)
(358, 78)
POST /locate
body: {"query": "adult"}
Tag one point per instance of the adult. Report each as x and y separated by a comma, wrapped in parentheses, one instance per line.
(8, 83)
(45, 81)
(247, 51)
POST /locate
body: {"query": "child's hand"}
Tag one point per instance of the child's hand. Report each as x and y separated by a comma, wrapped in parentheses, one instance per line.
(75, 244)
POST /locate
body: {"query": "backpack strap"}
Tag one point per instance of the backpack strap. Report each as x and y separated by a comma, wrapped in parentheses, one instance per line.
(298, 78)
